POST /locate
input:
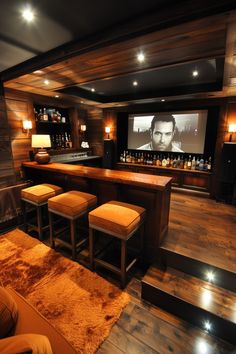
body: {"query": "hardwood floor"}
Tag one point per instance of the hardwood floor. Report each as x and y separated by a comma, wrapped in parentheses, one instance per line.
(203, 229)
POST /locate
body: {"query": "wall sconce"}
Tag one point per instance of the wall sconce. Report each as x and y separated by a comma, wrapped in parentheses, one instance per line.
(26, 126)
(231, 130)
(83, 128)
(108, 130)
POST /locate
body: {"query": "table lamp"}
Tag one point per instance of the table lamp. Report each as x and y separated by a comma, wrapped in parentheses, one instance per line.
(41, 141)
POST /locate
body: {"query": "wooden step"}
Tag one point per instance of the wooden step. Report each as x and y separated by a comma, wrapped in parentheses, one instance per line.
(192, 299)
(223, 278)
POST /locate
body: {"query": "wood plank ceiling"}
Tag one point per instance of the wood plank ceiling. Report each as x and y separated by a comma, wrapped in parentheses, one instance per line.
(209, 38)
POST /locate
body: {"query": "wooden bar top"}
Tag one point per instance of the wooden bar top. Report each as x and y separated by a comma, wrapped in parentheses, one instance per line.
(138, 179)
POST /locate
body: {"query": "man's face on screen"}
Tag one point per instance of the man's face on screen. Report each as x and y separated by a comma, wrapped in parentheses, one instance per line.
(162, 136)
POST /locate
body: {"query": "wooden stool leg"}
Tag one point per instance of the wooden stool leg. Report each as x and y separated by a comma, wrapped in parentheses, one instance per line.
(142, 229)
(52, 242)
(123, 263)
(24, 212)
(91, 248)
(73, 238)
(39, 222)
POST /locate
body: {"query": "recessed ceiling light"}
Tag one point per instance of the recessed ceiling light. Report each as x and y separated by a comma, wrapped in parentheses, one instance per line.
(135, 83)
(81, 101)
(93, 89)
(46, 82)
(195, 73)
(28, 14)
(57, 96)
(141, 57)
(162, 100)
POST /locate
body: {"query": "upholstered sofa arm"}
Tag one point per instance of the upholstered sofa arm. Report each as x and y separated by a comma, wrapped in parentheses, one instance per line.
(31, 321)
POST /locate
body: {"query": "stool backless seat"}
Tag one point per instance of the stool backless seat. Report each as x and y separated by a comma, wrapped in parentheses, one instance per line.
(37, 196)
(120, 220)
(70, 205)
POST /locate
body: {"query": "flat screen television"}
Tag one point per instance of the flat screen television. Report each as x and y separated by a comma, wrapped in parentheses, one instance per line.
(182, 131)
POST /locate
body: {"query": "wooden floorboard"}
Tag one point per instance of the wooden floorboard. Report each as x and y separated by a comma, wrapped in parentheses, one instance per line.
(203, 229)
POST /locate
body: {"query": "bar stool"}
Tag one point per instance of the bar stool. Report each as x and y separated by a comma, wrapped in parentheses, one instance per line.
(119, 220)
(37, 196)
(70, 205)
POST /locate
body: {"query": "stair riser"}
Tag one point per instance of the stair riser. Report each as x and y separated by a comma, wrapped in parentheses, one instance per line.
(223, 278)
(190, 313)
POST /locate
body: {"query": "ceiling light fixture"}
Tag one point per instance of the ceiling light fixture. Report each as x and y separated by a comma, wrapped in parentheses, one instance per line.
(141, 57)
(162, 100)
(135, 83)
(57, 96)
(93, 89)
(28, 14)
(46, 82)
(195, 73)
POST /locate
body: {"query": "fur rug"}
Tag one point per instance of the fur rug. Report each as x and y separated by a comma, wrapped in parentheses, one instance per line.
(82, 305)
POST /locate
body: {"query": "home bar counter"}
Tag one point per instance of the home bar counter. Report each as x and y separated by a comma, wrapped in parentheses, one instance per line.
(149, 191)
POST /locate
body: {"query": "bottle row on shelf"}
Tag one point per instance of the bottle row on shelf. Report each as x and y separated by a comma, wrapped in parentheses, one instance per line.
(61, 141)
(48, 115)
(169, 161)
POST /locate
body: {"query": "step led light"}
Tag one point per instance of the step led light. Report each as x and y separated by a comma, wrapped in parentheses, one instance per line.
(210, 276)
(207, 326)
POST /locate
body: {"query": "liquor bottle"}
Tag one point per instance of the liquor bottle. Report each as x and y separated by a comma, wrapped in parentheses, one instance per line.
(160, 160)
(209, 164)
(45, 115)
(121, 157)
(139, 158)
(193, 167)
(157, 161)
(201, 164)
(154, 160)
(174, 164)
(40, 115)
(181, 165)
(178, 162)
(142, 159)
(197, 164)
(168, 161)
(189, 163)
(171, 160)
(36, 115)
(185, 164)
(164, 162)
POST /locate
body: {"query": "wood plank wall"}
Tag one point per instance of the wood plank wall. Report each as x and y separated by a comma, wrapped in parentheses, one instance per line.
(7, 175)
(15, 145)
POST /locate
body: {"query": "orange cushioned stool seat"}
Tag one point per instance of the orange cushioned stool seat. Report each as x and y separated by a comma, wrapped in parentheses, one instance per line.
(70, 205)
(37, 196)
(120, 220)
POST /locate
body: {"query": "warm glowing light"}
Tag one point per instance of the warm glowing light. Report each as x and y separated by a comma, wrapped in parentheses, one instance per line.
(207, 325)
(107, 130)
(135, 83)
(28, 14)
(210, 276)
(162, 100)
(46, 82)
(57, 96)
(83, 127)
(232, 128)
(206, 297)
(195, 73)
(141, 57)
(27, 124)
(93, 89)
(202, 347)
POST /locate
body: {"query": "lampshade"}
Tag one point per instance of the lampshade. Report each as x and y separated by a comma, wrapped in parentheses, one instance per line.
(232, 128)
(41, 141)
(83, 127)
(107, 130)
(27, 124)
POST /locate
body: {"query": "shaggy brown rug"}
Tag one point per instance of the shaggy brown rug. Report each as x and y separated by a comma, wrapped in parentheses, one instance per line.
(79, 303)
